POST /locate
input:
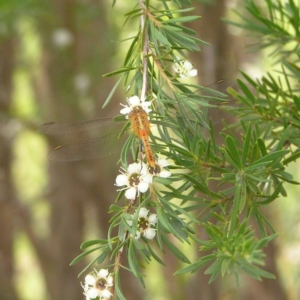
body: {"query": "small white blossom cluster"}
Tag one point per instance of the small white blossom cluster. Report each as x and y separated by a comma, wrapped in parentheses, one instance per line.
(97, 284)
(145, 224)
(137, 178)
(184, 69)
(133, 102)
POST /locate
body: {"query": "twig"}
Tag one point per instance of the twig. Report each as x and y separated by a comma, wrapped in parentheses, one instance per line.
(144, 31)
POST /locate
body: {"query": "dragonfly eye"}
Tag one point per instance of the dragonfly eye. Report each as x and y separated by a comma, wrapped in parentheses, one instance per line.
(155, 170)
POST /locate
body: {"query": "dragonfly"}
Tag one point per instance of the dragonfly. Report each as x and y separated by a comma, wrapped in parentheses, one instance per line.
(102, 146)
(106, 144)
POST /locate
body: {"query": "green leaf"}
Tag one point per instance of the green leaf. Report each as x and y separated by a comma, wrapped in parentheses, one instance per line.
(181, 19)
(175, 250)
(128, 146)
(251, 271)
(102, 256)
(155, 256)
(243, 196)
(256, 166)
(112, 92)
(92, 243)
(296, 100)
(255, 272)
(177, 38)
(156, 34)
(271, 157)
(265, 241)
(197, 184)
(274, 195)
(262, 147)
(123, 70)
(256, 178)
(246, 146)
(235, 210)
(233, 153)
(163, 220)
(87, 267)
(246, 91)
(82, 255)
(214, 269)
(172, 28)
(118, 286)
(229, 177)
(192, 268)
(133, 263)
(293, 157)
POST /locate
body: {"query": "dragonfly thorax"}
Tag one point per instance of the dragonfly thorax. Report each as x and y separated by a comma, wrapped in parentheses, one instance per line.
(139, 121)
(141, 127)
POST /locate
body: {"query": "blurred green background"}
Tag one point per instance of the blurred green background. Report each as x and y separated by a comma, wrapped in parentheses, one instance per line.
(52, 58)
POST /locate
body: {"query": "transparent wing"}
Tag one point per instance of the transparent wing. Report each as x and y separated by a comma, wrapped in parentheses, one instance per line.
(110, 143)
(72, 127)
(89, 149)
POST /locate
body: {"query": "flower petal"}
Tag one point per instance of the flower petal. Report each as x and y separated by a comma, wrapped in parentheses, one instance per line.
(148, 178)
(125, 111)
(102, 273)
(187, 65)
(164, 174)
(90, 279)
(149, 233)
(152, 219)
(106, 294)
(110, 280)
(143, 212)
(192, 73)
(92, 293)
(176, 67)
(134, 168)
(162, 162)
(130, 194)
(134, 100)
(143, 187)
(121, 180)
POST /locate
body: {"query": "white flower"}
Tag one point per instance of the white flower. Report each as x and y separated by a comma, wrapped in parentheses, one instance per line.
(133, 102)
(159, 170)
(136, 180)
(145, 224)
(62, 38)
(184, 69)
(96, 285)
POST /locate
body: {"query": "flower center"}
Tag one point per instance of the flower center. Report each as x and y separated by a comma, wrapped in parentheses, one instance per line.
(101, 284)
(134, 179)
(143, 223)
(181, 69)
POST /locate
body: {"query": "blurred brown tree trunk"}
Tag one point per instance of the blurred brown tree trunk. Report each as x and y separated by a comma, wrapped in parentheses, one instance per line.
(8, 196)
(78, 191)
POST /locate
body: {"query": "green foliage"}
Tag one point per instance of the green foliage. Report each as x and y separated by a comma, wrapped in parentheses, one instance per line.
(247, 170)
(231, 253)
(277, 27)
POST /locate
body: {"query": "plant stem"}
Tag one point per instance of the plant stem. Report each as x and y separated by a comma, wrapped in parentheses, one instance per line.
(144, 32)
